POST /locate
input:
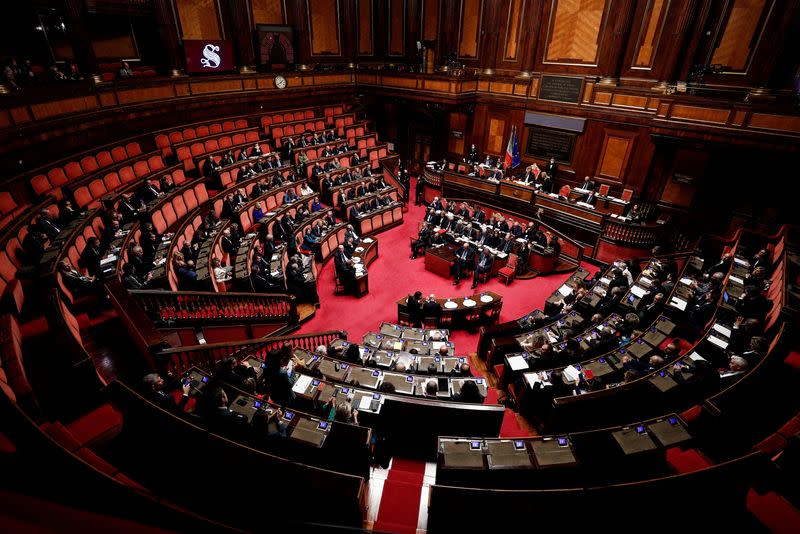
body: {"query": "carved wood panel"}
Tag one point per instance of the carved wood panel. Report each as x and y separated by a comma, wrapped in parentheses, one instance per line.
(615, 154)
(741, 34)
(516, 17)
(469, 32)
(365, 38)
(268, 12)
(397, 35)
(430, 20)
(323, 25)
(494, 138)
(199, 19)
(575, 30)
(650, 33)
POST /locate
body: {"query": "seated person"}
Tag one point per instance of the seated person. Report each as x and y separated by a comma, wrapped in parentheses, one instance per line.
(469, 393)
(464, 260)
(73, 280)
(221, 274)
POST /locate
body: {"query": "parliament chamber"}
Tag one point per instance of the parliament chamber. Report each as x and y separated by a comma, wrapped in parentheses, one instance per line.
(399, 266)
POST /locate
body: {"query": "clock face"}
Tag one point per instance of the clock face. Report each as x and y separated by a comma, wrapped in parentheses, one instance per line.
(280, 82)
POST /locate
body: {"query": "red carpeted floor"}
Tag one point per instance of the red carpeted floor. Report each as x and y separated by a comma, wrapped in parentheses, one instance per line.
(393, 275)
(399, 507)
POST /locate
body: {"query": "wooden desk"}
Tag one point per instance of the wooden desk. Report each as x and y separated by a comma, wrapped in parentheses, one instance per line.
(439, 260)
(366, 257)
(459, 314)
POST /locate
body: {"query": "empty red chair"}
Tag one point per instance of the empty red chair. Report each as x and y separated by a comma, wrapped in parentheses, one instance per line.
(155, 163)
(179, 206)
(97, 188)
(228, 126)
(564, 191)
(225, 142)
(133, 149)
(215, 128)
(202, 131)
(211, 145)
(627, 194)
(240, 123)
(118, 154)
(89, 164)
(104, 159)
(189, 133)
(73, 170)
(178, 177)
(200, 193)
(159, 224)
(83, 197)
(40, 185)
(127, 175)
(140, 169)
(169, 215)
(112, 181)
(175, 137)
(57, 177)
(604, 188)
(197, 149)
(162, 141)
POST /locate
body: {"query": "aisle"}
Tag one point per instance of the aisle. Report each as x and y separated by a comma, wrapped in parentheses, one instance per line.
(394, 275)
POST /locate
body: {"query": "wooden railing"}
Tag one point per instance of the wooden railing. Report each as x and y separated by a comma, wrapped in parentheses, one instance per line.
(187, 308)
(181, 359)
(633, 235)
(390, 167)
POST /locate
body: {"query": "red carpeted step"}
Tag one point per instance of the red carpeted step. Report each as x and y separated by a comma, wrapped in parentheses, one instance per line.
(399, 507)
(686, 461)
(510, 427)
(491, 396)
(774, 512)
(98, 426)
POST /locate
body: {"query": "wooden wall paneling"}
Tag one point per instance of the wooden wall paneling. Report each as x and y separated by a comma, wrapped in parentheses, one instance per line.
(324, 24)
(268, 11)
(366, 38)
(739, 32)
(513, 34)
(532, 28)
(429, 20)
(199, 19)
(458, 123)
(397, 28)
(449, 28)
(648, 34)
(575, 30)
(612, 49)
(615, 154)
(413, 29)
(495, 136)
(470, 17)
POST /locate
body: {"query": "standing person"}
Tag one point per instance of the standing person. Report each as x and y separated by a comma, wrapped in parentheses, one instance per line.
(419, 191)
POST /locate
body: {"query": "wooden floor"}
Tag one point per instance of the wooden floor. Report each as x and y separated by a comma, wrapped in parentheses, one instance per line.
(306, 311)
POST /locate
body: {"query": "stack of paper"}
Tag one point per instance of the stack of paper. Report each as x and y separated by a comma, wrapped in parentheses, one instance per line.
(517, 363)
(678, 303)
(638, 291)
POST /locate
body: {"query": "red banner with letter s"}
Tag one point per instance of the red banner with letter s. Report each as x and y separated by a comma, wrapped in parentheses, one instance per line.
(208, 55)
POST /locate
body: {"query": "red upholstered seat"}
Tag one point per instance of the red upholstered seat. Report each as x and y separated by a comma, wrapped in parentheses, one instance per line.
(61, 435)
(118, 154)
(89, 164)
(686, 461)
(40, 185)
(133, 149)
(692, 414)
(774, 512)
(793, 360)
(73, 170)
(96, 427)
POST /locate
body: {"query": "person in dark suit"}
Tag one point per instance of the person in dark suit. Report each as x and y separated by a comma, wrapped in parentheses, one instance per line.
(437, 204)
(414, 307)
(354, 215)
(73, 280)
(149, 191)
(46, 224)
(650, 312)
(345, 269)
(547, 183)
(473, 157)
(432, 309)
(588, 184)
(423, 241)
(210, 166)
(91, 256)
(156, 388)
(469, 393)
(484, 265)
(465, 259)
(555, 245)
(507, 245)
(552, 168)
(479, 215)
(752, 304)
(228, 243)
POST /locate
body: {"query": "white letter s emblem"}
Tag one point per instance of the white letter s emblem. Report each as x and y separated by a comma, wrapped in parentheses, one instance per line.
(210, 57)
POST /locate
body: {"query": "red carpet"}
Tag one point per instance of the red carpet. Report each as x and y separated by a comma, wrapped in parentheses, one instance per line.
(399, 508)
(393, 276)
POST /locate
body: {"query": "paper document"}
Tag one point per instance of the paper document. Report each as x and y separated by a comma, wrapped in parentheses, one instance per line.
(740, 261)
(367, 240)
(365, 402)
(605, 281)
(696, 357)
(678, 303)
(638, 291)
(736, 280)
(565, 290)
(517, 363)
(725, 331)
(108, 259)
(718, 342)
(302, 383)
(686, 281)
(645, 281)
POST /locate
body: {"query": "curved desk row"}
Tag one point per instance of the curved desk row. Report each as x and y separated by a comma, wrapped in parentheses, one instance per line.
(460, 311)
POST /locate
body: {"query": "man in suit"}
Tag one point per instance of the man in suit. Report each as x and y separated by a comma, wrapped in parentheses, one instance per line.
(288, 148)
(650, 312)
(423, 241)
(588, 184)
(91, 256)
(484, 265)
(465, 259)
(437, 204)
(329, 220)
(354, 216)
(722, 266)
(552, 168)
(157, 389)
(479, 215)
(473, 155)
(463, 211)
(47, 225)
(431, 308)
(269, 246)
(761, 259)
(229, 246)
(149, 192)
(210, 167)
(354, 160)
(507, 245)
(590, 198)
(432, 218)
(547, 183)
(345, 269)
(74, 281)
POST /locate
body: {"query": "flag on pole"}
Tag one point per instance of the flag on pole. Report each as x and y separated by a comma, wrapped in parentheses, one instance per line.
(509, 159)
(512, 150)
(515, 159)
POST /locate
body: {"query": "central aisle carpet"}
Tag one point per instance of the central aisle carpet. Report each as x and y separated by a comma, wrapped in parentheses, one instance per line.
(393, 275)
